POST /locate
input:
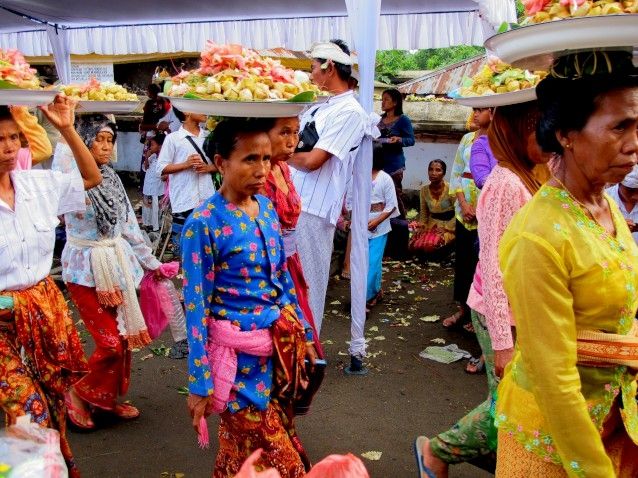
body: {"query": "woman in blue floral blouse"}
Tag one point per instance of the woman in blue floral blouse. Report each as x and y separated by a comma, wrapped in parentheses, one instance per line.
(246, 335)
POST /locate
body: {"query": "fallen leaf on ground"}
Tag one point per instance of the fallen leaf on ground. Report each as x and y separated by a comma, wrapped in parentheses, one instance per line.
(438, 340)
(335, 302)
(182, 390)
(372, 455)
(410, 292)
(400, 337)
(430, 318)
(341, 353)
(379, 337)
(374, 328)
(146, 357)
(335, 312)
(179, 475)
(327, 342)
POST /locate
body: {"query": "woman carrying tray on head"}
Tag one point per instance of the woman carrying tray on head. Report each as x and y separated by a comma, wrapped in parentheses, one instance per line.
(246, 339)
(567, 403)
(41, 352)
(103, 262)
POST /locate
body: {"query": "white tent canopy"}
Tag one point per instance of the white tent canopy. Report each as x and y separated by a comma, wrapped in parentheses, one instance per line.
(119, 27)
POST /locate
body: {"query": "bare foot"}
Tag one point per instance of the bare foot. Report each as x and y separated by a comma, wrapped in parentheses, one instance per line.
(438, 466)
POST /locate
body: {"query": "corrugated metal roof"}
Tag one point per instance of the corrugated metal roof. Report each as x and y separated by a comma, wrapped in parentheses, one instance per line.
(441, 81)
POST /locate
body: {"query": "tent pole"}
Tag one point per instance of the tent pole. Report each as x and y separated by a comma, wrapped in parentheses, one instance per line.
(363, 16)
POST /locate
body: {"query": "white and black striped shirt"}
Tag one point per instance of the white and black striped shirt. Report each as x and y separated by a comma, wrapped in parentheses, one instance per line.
(340, 123)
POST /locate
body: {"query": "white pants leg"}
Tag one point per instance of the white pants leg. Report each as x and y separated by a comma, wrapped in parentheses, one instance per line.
(314, 244)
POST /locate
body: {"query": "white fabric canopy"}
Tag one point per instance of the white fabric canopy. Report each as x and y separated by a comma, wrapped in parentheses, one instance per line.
(120, 27)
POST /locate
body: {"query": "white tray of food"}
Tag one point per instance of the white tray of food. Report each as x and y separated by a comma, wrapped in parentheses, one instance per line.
(240, 109)
(500, 99)
(19, 97)
(86, 106)
(536, 46)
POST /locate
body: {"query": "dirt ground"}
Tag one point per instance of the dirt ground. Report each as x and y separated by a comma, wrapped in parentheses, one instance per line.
(402, 397)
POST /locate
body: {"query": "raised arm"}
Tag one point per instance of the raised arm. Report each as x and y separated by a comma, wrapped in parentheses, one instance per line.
(61, 114)
(36, 135)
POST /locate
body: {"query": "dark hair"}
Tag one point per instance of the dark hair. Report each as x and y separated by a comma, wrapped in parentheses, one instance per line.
(158, 138)
(566, 105)
(397, 97)
(378, 159)
(178, 113)
(224, 138)
(439, 161)
(5, 113)
(154, 88)
(344, 72)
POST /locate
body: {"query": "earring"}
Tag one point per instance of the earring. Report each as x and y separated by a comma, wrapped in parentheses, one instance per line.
(568, 145)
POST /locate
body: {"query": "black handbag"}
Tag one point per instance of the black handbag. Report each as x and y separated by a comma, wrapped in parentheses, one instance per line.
(308, 136)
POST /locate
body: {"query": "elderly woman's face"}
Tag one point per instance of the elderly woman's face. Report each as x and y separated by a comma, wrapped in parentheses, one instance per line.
(606, 149)
(102, 147)
(247, 167)
(9, 145)
(284, 137)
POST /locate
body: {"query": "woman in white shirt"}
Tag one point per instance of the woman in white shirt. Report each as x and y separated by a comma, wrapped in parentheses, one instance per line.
(383, 207)
(41, 352)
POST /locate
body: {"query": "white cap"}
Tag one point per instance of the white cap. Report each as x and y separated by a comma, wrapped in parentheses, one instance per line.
(330, 51)
(631, 180)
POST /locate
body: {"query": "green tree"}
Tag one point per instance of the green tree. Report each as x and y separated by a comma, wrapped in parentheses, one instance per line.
(390, 62)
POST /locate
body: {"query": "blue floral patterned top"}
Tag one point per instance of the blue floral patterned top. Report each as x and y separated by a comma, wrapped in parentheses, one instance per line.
(234, 269)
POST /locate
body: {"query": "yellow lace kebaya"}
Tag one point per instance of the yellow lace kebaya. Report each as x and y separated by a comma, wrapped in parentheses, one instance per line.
(564, 273)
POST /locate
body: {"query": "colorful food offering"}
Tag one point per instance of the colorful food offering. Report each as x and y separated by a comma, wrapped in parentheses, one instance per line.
(15, 72)
(98, 91)
(497, 77)
(539, 11)
(235, 73)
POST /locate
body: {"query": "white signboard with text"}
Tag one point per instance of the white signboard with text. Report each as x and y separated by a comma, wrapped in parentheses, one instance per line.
(82, 72)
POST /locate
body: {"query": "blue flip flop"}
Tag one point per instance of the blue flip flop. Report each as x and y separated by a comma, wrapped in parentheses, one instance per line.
(424, 471)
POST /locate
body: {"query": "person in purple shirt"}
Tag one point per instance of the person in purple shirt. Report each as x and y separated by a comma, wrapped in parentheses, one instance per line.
(482, 161)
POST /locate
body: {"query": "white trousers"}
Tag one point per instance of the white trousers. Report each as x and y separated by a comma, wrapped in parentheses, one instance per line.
(314, 245)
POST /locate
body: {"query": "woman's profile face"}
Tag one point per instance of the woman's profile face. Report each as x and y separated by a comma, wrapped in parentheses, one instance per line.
(482, 117)
(284, 137)
(248, 165)
(387, 103)
(9, 145)
(102, 147)
(435, 172)
(606, 149)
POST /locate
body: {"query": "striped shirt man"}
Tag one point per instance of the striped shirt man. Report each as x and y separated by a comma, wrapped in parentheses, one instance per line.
(340, 126)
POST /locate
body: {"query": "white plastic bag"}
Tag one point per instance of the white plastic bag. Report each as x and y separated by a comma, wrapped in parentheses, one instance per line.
(29, 451)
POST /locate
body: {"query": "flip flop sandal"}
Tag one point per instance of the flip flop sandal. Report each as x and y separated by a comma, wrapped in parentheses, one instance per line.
(477, 363)
(469, 328)
(453, 320)
(78, 418)
(424, 471)
(125, 411)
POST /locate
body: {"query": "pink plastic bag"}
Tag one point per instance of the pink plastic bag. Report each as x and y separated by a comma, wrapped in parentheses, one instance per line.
(154, 303)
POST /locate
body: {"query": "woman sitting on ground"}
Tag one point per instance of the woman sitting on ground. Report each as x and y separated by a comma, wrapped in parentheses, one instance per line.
(247, 340)
(103, 262)
(436, 217)
(36, 327)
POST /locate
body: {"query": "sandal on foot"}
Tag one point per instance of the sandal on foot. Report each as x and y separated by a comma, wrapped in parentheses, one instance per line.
(345, 275)
(475, 366)
(79, 418)
(469, 328)
(453, 320)
(125, 411)
(424, 471)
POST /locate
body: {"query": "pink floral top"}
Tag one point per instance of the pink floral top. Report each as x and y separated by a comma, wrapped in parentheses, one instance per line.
(502, 196)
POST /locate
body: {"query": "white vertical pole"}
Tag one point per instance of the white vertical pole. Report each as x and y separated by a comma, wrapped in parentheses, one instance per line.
(363, 16)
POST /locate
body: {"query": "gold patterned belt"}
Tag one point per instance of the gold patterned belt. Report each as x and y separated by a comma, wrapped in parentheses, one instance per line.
(600, 349)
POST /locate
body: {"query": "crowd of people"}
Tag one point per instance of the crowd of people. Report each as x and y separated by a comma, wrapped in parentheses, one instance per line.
(545, 268)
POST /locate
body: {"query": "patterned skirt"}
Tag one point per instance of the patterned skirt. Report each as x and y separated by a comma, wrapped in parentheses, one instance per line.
(245, 431)
(514, 461)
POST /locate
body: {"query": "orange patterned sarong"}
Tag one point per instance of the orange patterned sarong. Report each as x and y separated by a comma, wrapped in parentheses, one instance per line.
(54, 357)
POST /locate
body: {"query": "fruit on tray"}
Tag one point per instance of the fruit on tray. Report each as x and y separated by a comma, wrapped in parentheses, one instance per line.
(15, 72)
(95, 90)
(539, 11)
(498, 77)
(235, 73)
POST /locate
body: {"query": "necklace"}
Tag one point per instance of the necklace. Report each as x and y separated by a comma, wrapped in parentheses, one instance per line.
(583, 206)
